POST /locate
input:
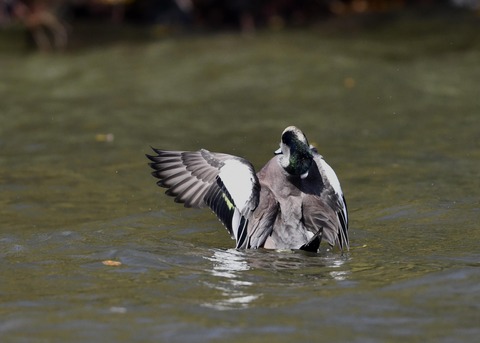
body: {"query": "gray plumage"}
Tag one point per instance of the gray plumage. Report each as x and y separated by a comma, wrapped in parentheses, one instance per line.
(293, 202)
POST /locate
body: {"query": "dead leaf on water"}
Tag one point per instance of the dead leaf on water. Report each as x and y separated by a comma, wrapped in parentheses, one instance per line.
(112, 263)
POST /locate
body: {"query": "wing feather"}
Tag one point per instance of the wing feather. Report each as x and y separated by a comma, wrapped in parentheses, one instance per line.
(226, 183)
(335, 224)
(263, 220)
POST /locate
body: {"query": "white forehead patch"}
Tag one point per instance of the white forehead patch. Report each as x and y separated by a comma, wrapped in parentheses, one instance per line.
(300, 135)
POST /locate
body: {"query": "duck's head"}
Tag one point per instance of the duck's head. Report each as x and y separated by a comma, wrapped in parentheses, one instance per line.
(295, 155)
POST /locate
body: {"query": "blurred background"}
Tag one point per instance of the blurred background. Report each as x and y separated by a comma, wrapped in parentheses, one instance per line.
(58, 24)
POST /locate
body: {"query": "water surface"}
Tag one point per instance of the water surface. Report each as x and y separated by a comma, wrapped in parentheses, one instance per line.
(396, 115)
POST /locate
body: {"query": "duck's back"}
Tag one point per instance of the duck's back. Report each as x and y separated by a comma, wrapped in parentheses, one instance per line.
(298, 210)
(278, 218)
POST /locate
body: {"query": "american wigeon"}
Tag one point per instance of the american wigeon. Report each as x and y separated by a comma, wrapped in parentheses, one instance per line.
(293, 202)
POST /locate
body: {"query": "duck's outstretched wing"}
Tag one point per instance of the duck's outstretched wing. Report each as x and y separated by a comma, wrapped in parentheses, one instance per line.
(225, 183)
(335, 228)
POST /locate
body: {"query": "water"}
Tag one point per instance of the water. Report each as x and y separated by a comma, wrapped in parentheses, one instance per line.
(395, 115)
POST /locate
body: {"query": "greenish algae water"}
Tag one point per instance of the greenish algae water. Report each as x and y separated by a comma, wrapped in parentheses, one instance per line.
(395, 111)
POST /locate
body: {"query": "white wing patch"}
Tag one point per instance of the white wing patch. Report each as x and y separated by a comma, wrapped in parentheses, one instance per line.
(239, 181)
(332, 177)
(334, 182)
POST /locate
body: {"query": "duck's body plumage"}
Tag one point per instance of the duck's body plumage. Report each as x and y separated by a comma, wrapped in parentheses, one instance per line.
(293, 202)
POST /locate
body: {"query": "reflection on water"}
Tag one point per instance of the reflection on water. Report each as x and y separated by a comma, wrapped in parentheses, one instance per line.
(339, 275)
(240, 286)
(228, 266)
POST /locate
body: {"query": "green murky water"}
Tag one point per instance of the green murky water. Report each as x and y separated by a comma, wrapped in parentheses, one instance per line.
(396, 113)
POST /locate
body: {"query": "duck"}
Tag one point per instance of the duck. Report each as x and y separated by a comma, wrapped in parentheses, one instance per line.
(293, 203)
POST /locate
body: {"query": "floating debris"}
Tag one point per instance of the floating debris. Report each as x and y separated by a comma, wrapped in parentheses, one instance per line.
(104, 137)
(118, 309)
(112, 263)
